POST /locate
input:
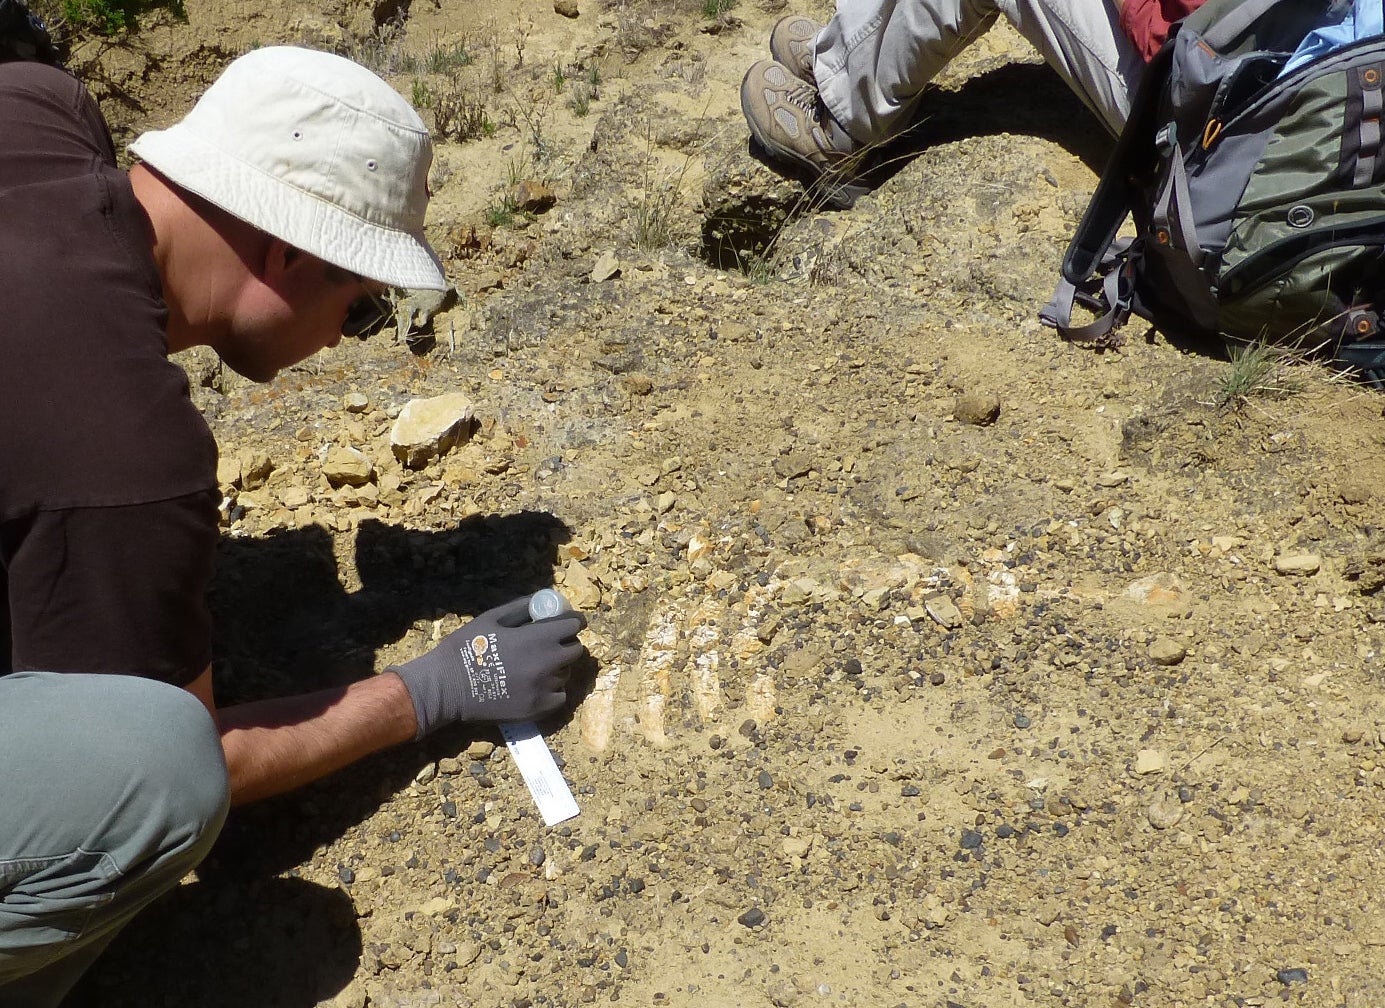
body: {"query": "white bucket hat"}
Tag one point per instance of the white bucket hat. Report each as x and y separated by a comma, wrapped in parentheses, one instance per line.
(315, 150)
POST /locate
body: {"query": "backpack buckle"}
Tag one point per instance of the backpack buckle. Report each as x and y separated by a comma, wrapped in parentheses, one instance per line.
(1361, 324)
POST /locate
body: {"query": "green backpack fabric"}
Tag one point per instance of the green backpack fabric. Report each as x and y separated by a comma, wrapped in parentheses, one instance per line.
(1258, 196)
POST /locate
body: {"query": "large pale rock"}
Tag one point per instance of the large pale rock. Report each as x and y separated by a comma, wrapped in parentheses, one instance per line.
(346, 466)
(429, 428)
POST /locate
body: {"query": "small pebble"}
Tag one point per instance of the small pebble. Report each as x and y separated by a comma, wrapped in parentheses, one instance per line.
(1150, 761)
(1167, 651)
(1164, 814)
(753, 917)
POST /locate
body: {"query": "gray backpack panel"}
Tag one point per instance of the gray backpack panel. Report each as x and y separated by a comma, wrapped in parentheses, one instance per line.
(1258, 197)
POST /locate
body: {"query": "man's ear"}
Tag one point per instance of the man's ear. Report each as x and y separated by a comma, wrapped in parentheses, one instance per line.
(281, 262)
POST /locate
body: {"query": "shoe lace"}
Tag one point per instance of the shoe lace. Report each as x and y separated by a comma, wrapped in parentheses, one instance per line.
(805, 96)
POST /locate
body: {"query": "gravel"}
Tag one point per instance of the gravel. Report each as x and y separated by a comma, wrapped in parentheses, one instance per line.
(1076, 706)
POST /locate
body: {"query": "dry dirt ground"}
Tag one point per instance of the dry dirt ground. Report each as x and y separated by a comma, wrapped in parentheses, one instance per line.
(889, 705)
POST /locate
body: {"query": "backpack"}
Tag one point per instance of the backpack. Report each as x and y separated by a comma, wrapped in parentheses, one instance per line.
(23, 36)
(1257, 195)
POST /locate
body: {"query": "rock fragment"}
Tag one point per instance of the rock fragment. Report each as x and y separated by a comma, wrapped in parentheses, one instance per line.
(255, 467)
(752, 918)
(346, 466)
(1150, 761)
(228, 471)
(607, 266)
(976, 409)
(1355, 493)
(943, 611)
(580, 588)
(534, 197)
(429, 428)
(417, 311)
(1297, 563)
(1167, 651)
(1164, 814)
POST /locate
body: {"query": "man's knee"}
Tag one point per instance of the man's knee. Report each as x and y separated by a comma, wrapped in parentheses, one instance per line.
(138, 764)
(115, 789)
(178, 777)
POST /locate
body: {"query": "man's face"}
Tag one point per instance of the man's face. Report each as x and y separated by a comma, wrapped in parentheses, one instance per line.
(307, 315)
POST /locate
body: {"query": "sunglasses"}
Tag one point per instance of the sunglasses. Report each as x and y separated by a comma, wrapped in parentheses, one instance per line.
(364, 315)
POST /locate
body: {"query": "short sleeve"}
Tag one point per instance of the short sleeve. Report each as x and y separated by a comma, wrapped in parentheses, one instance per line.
(113, 589)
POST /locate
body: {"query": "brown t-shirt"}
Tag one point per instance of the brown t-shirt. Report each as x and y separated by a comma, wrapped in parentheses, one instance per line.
(108, 521)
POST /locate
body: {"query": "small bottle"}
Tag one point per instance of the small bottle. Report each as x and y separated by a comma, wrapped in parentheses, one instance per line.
(548, 602)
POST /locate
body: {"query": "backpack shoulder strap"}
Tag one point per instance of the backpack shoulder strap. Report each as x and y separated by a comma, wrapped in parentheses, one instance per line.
(1134, 153)
(1093, 251)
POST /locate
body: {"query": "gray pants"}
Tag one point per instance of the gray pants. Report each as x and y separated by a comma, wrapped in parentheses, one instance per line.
(875, 58)
(112, 789)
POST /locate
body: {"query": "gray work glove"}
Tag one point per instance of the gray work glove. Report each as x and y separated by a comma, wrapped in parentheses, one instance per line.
(499, 667)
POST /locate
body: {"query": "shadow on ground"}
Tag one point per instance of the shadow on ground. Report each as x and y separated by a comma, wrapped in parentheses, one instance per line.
(273, 943)
(286, 623)
(1021, 98)
(1027, 98)
(241, 935)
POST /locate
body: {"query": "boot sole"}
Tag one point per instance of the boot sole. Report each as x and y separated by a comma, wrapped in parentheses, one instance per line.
(824, 188)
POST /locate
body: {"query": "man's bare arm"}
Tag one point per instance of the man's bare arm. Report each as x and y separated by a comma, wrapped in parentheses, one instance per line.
(277, 745)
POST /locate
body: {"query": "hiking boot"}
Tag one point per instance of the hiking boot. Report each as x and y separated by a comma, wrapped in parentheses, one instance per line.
(791, 43)
(788, 120)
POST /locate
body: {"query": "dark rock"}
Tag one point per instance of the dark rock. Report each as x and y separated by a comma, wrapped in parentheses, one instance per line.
(752, 918)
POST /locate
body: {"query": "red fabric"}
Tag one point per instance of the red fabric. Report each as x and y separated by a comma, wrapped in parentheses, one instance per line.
(1147, 22)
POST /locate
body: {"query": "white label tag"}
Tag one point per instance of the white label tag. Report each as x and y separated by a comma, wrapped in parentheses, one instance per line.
(540, 772)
